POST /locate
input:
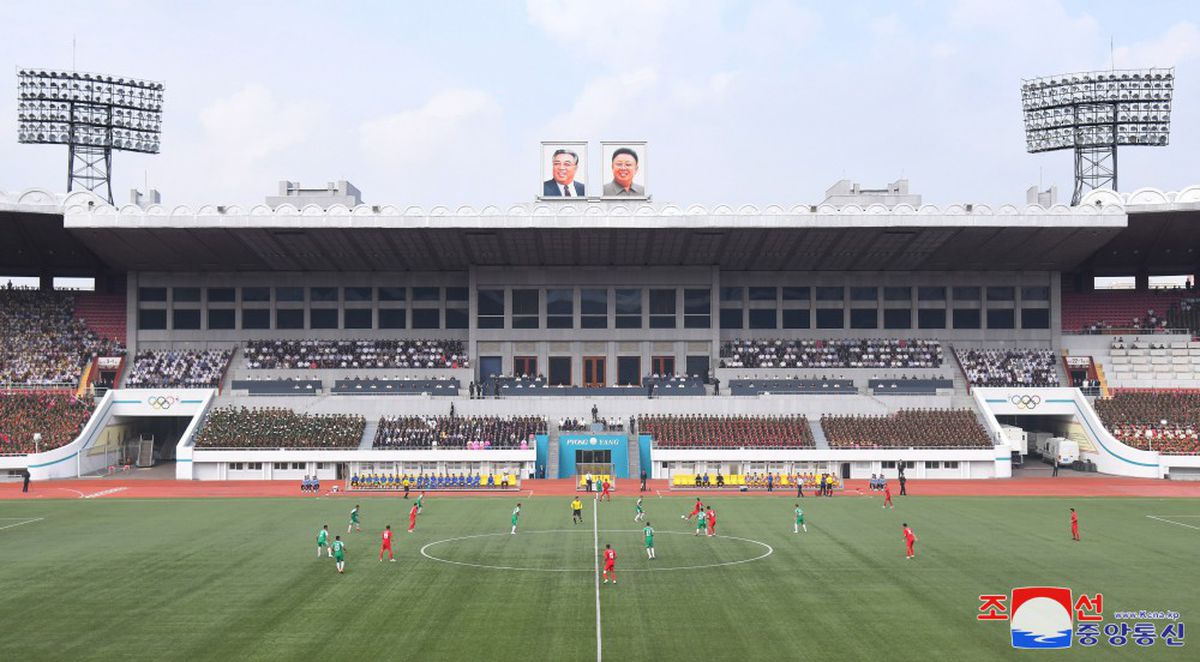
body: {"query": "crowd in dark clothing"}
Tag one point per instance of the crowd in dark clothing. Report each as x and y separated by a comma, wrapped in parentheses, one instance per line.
(1165, 421)
(58, 417)
(471, 432)
(705, 431)
(907, 428)
(277, 427)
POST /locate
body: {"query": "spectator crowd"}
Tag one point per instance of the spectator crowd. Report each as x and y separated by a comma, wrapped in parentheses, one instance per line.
(471, 432)
(574, 424)
(57, 417)
(705, 431)
(178, 368)
(888, 353)
(1009, 367)
(1164, 421)
(278, 427)
(42, 342)
(907, 428)
(315, 354)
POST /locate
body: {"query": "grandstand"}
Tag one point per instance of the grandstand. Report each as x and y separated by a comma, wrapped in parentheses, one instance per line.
(707, 339)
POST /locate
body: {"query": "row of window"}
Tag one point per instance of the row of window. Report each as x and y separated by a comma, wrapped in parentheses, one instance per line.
(628, 308)
(892, 318)
(294, 318)
(929, 464)
(347, 294)
(871, 293)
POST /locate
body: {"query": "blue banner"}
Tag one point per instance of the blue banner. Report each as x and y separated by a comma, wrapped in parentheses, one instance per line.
(618, 444)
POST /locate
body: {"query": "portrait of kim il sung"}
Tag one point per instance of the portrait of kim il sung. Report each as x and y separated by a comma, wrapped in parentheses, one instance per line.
(624, 169)
(564, 170)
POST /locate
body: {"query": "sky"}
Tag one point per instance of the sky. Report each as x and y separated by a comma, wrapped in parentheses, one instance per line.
(764, 102)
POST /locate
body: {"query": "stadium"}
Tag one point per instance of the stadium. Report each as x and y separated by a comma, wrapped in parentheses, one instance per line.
(525, 392)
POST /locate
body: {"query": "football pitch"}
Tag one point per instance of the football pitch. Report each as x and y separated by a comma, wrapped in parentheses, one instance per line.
(226, 579)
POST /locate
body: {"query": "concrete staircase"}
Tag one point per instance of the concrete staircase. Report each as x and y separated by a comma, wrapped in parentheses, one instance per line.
(368, 435)
(552, 456)
(635, 460)
(818, 434)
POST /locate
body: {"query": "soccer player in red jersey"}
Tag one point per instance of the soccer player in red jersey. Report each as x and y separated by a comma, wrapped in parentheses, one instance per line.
(412, 517)
(610, 564)
(909, 539)
(387, 544)
(695, 510)
(1074, 525)
(887, 497)
(712, 522)
(606, 493)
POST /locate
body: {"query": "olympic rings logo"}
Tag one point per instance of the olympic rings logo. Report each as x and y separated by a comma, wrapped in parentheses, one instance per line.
(161, 401)
(1025, 401)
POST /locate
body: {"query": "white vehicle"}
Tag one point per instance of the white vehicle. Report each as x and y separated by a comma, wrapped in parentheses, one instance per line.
(1018, 439)
(1063, 450)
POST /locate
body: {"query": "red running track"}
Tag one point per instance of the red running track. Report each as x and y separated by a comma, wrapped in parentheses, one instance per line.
(110, 488)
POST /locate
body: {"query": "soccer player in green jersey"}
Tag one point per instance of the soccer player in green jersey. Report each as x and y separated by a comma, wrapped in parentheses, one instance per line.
(799, 521)
(420, 501)
(701, 521)
(648, 531)
(640, 514)
(339, 554)
(516, 516)
(323, 541)
(353, 520)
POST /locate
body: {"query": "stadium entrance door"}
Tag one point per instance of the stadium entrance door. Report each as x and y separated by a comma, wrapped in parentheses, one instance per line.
(137, 442)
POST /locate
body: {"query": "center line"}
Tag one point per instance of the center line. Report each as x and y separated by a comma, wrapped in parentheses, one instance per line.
(596, 542)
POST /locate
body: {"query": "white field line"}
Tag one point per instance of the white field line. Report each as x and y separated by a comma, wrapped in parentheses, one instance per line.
(29, 520)
(596, 544)
(1175, 523)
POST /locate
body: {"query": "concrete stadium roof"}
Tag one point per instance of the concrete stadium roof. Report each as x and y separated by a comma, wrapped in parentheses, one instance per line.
(1105, 232)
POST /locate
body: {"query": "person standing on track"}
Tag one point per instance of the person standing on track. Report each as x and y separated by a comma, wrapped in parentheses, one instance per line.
(516, 515)
(354, 520)
(903, 485)
(639, 512)
(576, 510)
(1074, 525)
(387, 544)
(711, 519)
(610, 564)
(910, 539)
(887, 497)
(648, 531)
(25, 480)
(643, 480)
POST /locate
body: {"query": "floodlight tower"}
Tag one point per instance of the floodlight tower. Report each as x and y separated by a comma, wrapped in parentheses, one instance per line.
(1092, 113)
(92, 115)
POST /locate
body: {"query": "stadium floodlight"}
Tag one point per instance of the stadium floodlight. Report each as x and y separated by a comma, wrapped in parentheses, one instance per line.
(92, 114)
(1092, 113)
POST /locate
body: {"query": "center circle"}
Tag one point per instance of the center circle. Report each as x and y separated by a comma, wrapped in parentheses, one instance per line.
(767, 551)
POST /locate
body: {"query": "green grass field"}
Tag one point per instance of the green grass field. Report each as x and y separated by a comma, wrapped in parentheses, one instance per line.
(239, 578)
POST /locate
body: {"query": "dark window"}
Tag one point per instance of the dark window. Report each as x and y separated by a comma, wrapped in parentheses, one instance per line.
(426, 294)
(629, 321)
(697, 302)
(357, 294)
(662, 321)
(490, 302)
(830, 318)
(426, 318)
(289, 318)
(762, 293)
(897, 293)
(560, 322)
(897, 318)
(393, 294)
(490, 322)
(763, 318)
(830, 294)
(731, 318)
(186, 294)
(323, 318)
(796, 318)
(457, 318)
(258, 318)
(560, 371)
(931, 294)
(457, 294)
(864, 294)
(525, 302)
(222, 295)
(319, 294)
(931, 318)
(662, 302)
(796, 294)
(731, 294)
(185, 320)
(222, 318)
(966, 318)
(289, 294)
(256, 294)
(1000, 294)
(560, 302)
(697, 321)
(1001, 318)
(152, 294)
(593, 322)
(358, 318)
(392, 318)
(1035, 293)
(864, 318)
(1035, 318)
(629, 302)
(966, 293)
(593, 302)
(525, 321)
(152, 320)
